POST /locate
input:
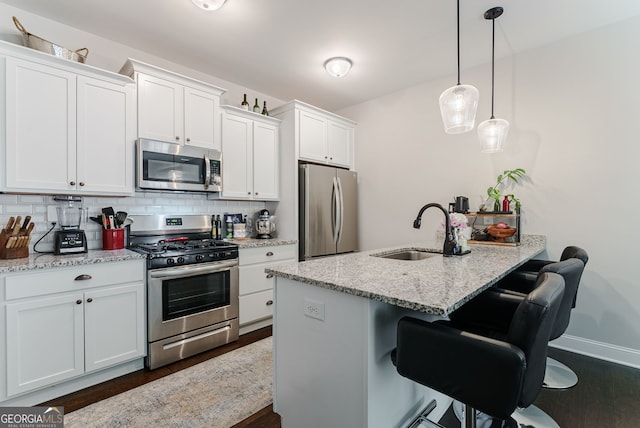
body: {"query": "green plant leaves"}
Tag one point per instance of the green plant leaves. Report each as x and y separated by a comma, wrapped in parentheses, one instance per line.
(515, 175)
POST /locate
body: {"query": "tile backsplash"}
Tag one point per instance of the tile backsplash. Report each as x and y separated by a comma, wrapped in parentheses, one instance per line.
(41, 208)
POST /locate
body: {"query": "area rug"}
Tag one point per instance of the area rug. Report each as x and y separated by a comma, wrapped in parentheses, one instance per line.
(216, 393)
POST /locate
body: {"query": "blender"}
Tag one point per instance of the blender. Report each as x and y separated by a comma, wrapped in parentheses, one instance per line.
(70, 239)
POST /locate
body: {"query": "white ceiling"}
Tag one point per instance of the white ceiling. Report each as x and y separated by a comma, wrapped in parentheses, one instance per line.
(278, 47)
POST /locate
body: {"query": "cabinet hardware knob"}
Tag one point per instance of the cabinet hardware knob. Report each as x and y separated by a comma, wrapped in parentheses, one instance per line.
(269, 254)
(269, 275)
(82, 277)
(73, 183)
(89, 300)
(256, 193)
(177, 138)
(78, 302)
(248, 193)
(188, 139)
(81, 183)
(269, 302)
(330, 158)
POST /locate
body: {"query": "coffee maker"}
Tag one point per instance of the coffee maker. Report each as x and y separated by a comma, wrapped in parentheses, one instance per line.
(70, 239)
(265, 225)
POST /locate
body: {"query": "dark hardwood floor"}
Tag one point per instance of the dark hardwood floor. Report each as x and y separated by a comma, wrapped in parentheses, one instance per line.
(607, 395)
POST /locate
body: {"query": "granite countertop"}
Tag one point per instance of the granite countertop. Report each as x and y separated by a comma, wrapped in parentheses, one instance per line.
(253, 242)
(45, 261)
(437, 285)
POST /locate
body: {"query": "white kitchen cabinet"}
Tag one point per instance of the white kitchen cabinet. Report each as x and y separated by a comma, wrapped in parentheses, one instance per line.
(64, 323)
(250, 144)
(69, 127)
(256, 287)
(322, 136)
(175, 108)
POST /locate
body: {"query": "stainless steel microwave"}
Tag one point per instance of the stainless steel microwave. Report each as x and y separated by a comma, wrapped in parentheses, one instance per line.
(169, 166)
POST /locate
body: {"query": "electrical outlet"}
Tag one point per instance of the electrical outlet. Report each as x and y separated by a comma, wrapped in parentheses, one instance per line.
(314, 309)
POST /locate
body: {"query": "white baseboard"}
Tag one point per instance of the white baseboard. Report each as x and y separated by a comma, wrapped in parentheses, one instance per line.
(603, 351)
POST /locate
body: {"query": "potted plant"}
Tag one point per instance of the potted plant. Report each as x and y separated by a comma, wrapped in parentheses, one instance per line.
(495, 192)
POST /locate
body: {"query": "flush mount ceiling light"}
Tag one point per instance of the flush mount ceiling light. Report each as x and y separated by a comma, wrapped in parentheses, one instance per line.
(209, 5)
(459, 103)
(338, 66)
(493, 132)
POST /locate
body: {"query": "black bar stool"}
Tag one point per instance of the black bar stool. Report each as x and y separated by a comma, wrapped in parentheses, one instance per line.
(493, 361)
(558, 375)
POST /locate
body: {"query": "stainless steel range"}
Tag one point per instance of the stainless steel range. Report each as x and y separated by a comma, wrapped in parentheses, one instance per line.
(192, 286)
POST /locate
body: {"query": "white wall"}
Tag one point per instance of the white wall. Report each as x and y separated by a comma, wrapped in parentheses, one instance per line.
(574, 114)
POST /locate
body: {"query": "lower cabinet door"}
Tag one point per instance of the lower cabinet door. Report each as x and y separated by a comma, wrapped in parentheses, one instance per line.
(114, 325)
(44, 341)
(256, 306)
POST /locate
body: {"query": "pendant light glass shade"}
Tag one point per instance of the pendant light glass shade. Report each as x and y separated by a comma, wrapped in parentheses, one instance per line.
(493, 132)
(458, 106)
(459, 103)
(209, 5)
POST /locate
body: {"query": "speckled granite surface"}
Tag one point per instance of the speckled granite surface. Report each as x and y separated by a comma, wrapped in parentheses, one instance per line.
(253, 243)
(437, 285)
(44, 261)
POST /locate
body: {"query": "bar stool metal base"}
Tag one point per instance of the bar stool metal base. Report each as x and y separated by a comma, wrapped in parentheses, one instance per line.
(558, 376)
(530, 417)
(533, 417)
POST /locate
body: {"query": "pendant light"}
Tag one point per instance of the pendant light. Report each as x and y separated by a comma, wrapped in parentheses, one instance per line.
(493, 132)
(459, 103)
(209, 5)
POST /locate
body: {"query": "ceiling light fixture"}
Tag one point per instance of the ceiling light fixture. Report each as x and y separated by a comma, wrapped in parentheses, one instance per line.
(338, 66)
(493, 132)
(209, 5)
(459, 103)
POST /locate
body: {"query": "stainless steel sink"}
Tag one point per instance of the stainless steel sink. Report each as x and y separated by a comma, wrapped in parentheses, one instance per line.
(408, 255)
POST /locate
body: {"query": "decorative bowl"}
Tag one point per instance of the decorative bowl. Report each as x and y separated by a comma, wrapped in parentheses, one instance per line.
(501, 233)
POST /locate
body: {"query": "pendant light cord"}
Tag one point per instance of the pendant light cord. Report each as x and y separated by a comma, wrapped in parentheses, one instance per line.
(458, 32)
(493, 53)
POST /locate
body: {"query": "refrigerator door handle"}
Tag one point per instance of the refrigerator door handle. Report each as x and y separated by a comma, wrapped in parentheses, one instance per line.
(340, 211)
(335, 201)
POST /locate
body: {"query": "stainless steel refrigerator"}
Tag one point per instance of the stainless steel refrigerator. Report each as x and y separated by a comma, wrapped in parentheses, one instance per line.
(328, 211)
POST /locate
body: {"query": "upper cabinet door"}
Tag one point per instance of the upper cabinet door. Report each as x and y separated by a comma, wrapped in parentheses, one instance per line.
(160, 109)
(40, 112)
(265, 161)
(339, 143)
(201, 119)
(312, 136)
(105, 137)
(237, 136)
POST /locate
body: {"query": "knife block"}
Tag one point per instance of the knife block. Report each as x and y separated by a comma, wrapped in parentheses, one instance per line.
(11, 253)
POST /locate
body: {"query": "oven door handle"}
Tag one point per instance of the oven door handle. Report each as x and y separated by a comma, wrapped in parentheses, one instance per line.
(191, 270)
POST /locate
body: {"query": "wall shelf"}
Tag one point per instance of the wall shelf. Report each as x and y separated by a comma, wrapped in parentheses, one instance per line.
(480, 221)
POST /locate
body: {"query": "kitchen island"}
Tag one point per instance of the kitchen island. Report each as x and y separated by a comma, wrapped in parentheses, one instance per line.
(335, 327)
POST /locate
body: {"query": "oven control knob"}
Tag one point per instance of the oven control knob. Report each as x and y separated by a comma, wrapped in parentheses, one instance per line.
(199, 257)
(180, 260)
(170, 261)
